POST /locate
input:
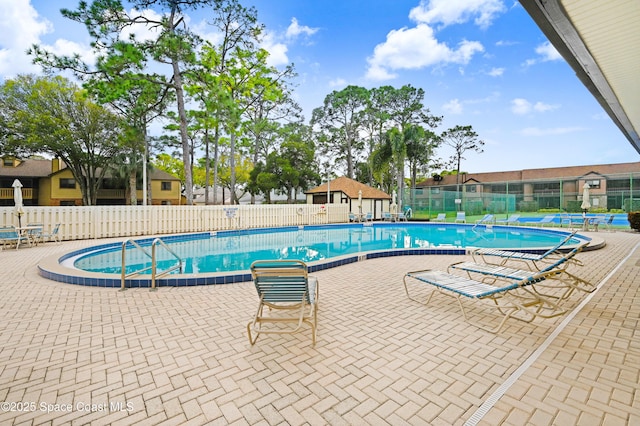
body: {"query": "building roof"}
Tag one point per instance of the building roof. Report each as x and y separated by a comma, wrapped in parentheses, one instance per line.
(551, 173)
(600, 40)
(28, 168)
(42, 168)
(350, 187)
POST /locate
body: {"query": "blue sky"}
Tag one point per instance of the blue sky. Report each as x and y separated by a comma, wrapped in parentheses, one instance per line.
(482, 63)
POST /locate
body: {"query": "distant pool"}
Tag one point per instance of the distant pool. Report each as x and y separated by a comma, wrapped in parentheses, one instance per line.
(226, 256)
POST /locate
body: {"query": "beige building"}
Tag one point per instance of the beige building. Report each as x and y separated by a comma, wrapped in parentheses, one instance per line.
(50, 183)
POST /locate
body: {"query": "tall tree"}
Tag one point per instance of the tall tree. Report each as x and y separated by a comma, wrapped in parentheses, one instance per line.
(421, 146)
(113, 31)
(461, 139)
(51, 115)
(238, 28)
(339, 122)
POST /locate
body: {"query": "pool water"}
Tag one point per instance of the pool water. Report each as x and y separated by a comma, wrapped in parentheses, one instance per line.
(236, 250)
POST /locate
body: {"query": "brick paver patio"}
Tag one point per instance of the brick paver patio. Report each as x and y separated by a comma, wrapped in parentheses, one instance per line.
(78, 355)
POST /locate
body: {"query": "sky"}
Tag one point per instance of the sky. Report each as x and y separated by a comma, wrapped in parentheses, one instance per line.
(482, 63)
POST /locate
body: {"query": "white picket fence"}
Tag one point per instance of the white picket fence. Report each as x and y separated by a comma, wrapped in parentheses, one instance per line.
(78, 223)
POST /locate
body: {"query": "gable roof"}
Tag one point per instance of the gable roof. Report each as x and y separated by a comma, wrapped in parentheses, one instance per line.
(28, 168)
(350, 187)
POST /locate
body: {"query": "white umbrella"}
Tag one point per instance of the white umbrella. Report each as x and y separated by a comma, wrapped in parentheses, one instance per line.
(394, 206)
(17, 199)
(360, 201)
(586, 204)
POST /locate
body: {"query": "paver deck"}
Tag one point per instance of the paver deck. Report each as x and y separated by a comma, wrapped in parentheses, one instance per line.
(78, 355)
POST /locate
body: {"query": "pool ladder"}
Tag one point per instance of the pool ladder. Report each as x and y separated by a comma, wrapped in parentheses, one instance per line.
(154, 265)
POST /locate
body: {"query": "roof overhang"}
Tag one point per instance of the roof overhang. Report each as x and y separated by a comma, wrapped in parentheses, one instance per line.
(601, 42)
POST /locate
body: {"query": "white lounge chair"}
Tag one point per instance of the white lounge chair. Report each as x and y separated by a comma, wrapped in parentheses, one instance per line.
(511, 220)
(530, 259)
(442, 217)
(486, 219)
(461, 217)
(54, 235)
(512, 298)
(567, 280)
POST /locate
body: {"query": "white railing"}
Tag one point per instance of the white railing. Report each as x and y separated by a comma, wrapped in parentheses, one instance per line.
(78, 223)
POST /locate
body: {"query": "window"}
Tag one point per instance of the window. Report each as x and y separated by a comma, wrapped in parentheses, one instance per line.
(8, 162)
(593, 184)
(472, 188)
(67, 183)
(165, 186)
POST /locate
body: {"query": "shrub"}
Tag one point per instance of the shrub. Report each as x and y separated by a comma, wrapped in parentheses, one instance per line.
(634, 220)
(528, 206)
(574, 206)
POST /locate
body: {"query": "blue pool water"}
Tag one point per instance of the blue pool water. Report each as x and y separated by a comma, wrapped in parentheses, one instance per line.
(235, 250)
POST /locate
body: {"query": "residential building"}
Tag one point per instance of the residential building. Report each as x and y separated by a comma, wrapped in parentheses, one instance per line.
(612, 186)
(51, 183)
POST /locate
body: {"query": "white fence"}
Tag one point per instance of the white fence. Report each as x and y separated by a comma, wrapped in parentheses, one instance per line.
(78, 223)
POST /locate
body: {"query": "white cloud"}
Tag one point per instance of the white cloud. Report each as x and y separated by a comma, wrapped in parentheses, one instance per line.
(295, 29)
(496, 72)
(547, 52)
(277, 50)
(418, 47)
(453, 107)
(338, 82)
(542, 107)
(278, 44)
(21, 27)
(521, 106)
(447, 12)
(536, 131)
(415, 48)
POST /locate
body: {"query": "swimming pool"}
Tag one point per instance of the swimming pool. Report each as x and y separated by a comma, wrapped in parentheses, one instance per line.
(225, 256)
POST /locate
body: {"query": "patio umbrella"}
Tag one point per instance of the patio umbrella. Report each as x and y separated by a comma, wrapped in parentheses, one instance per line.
(586, 204)
(360, 201)
(394, 206)
(17, 199)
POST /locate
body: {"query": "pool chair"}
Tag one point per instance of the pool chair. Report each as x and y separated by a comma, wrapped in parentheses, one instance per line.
(368, 217)
(386, 216)
(284, 287)
(571, 220)
(9, 236)
(34, 232)
(442, 217)
(486, 219)
(511, 220)
(501, 257)
(461, 217)
(547, 220)
(54, 235)
(602, 220)
(511, 298)
(562, 279)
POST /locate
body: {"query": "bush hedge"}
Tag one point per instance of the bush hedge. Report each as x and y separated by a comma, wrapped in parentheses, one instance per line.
(634, 220)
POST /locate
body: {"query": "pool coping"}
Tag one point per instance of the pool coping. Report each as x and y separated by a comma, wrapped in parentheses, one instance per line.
(52, 267)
